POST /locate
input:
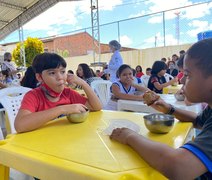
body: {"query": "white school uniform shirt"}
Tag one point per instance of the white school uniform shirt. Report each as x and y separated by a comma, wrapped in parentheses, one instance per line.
(112, 105)
(115, 62)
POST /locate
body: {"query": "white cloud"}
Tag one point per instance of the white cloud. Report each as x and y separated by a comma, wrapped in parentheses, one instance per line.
(66, 13)
(138, 14)
(155, 19)
(156, 6)
(84, 6)
(163, 5)
(125, 40)
(197, 11)
(61, 13)
(198, 26)
(158, 40)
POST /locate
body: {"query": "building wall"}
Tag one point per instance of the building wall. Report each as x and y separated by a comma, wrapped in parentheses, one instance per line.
(145, 57)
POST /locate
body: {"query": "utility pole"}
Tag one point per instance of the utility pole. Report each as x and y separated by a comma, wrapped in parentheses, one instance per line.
(95, 31)
(177, 23)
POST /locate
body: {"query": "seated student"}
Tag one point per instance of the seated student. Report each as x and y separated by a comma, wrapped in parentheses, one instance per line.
(145, 77)
(194, 159)
(86, 73)
(180, 66)
(2, 81)
(52, 99)
(171, 69)
(125, 88)
(157, 80)
(138, 72)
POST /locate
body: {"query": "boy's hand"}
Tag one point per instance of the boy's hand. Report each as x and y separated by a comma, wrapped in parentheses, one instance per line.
(161, 105)
(71, 78)
(122, 134)
(74, 108)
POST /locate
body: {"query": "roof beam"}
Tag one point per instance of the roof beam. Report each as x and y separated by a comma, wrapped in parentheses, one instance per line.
(4, 22)
(12, 6)
(27, 15)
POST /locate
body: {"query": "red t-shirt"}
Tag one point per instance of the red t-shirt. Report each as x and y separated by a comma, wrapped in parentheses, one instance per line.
(139, 74)
(35, 100)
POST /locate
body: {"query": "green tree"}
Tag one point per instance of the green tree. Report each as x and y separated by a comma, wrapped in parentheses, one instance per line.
(32, 47)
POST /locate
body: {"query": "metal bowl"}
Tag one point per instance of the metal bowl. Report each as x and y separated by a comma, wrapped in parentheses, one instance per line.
(78, 118)
(159, 123)
(179, 97)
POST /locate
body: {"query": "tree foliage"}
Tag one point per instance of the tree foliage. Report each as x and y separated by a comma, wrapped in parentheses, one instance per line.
(32, 47)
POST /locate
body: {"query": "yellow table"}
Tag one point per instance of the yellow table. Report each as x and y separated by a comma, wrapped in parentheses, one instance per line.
(172, 89)
(64, 151)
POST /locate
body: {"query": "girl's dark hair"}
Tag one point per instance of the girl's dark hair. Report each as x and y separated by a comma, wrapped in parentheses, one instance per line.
(121, 69)
(29, 79)
(70, 71)
(138, 67)
(86, 71)
(158, 66)
(201, 54)
(46, 61)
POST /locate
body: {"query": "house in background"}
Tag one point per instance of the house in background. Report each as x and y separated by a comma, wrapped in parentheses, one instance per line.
(78, 44)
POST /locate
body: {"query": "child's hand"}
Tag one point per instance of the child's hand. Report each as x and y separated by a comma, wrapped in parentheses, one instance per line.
(161, 105)
(121, 135)
(74, 108)
(71, 78)
(174, 81)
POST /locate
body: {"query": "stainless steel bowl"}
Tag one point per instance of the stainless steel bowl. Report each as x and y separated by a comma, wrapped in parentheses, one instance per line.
(159, 123)
(179, 97)
(78, 118)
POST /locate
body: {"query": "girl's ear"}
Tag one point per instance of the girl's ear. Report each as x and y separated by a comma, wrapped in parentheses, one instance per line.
(39, 77)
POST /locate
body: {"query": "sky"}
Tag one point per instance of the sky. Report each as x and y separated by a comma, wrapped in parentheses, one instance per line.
(144, 32)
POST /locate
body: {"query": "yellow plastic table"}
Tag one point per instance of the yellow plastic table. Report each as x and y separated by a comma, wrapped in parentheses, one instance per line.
(62, 151)
(172, 89)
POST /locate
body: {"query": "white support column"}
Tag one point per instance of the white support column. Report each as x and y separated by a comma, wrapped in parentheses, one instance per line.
(95, 31)
(22, 50)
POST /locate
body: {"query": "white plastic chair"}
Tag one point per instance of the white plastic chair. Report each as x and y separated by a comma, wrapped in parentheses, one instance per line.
(11, 98)
(1, 134)
(102, 89)
(168, 77)
(145, 80)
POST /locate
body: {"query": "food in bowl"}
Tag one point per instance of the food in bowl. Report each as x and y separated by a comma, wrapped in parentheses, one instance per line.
(179, 97)
(78, 117)
(150, 97)
(159, 123)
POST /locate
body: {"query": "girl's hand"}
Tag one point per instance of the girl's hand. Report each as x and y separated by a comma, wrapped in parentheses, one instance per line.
(122, 134)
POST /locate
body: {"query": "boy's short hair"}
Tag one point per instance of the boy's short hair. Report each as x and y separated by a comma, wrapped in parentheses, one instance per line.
(46, 61)
(201, 53)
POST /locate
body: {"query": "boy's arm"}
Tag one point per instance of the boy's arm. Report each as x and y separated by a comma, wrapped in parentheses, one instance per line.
(173, 163)
(28, 121)
(180, 114)
(93, 102)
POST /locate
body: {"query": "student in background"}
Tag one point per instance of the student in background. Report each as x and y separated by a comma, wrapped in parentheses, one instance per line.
(157, 80)
(86, 73)
(139, 72)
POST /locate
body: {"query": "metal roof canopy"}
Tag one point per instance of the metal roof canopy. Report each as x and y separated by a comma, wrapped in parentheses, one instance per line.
(14, 14)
